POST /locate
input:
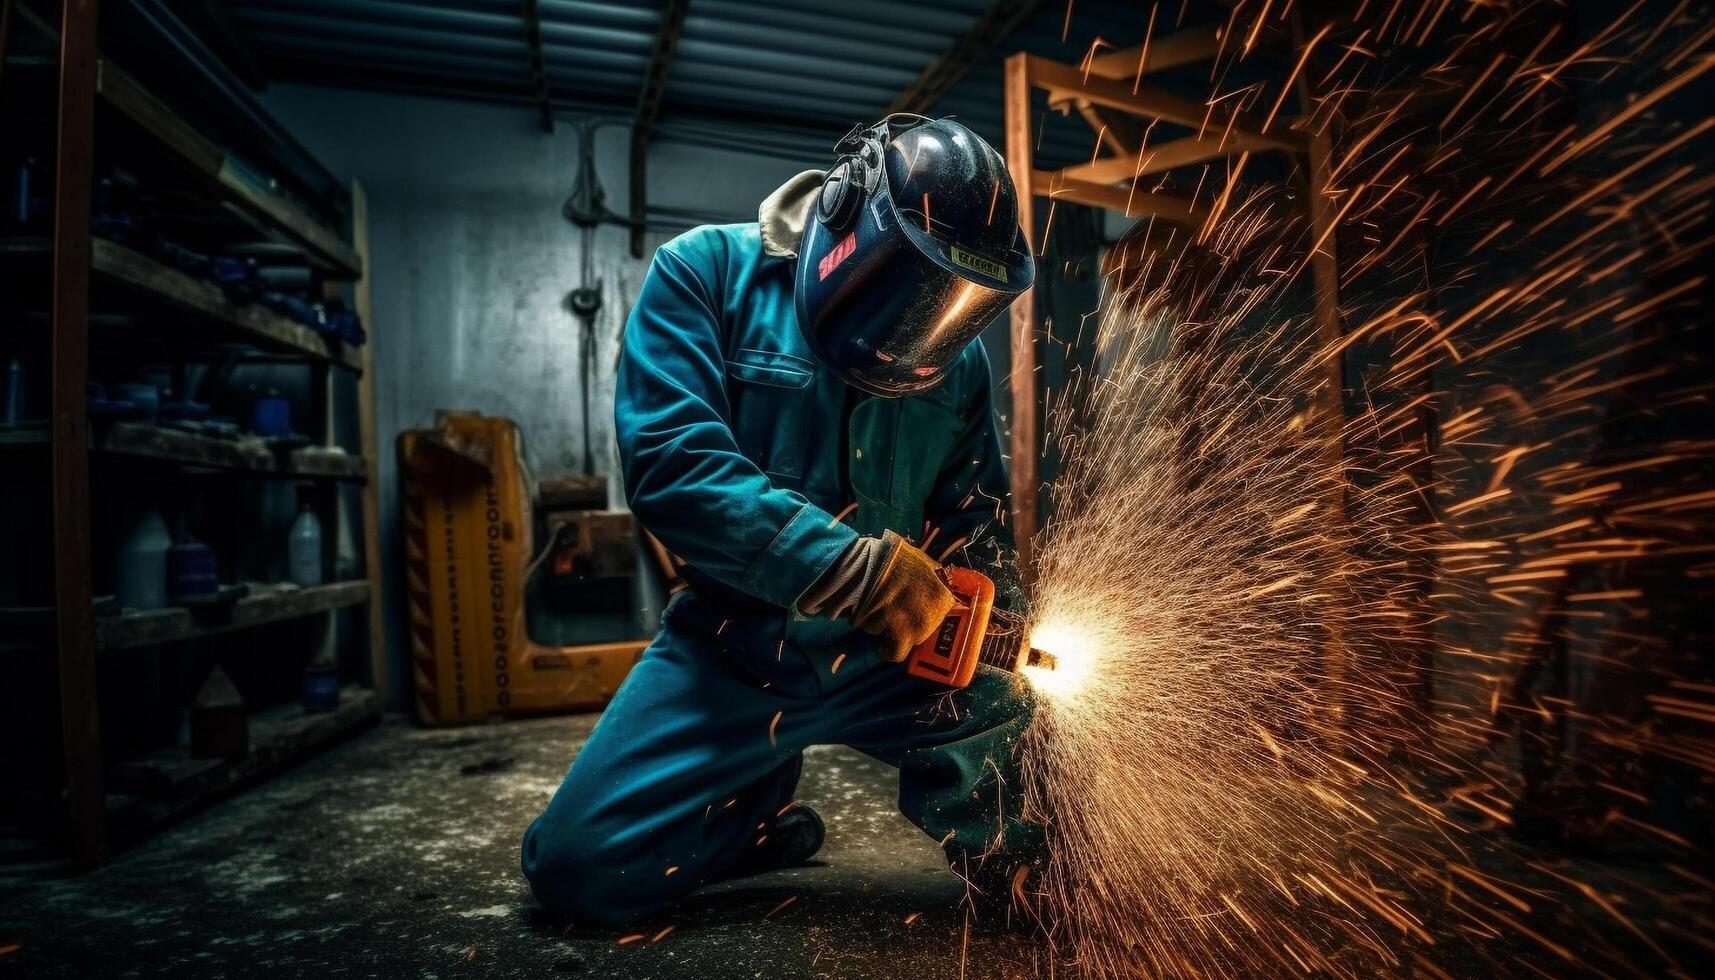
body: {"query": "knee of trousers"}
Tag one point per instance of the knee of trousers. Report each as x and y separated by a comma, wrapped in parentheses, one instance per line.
(999, 700)
(577, 877)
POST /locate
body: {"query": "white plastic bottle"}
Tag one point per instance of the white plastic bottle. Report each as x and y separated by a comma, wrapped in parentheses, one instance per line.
(141, 582)
(304, 548)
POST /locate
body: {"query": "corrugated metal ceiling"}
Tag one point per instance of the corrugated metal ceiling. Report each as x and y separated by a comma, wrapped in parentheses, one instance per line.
(784, 77)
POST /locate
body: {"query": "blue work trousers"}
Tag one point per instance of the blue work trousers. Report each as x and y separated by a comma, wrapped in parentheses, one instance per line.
(702, 746)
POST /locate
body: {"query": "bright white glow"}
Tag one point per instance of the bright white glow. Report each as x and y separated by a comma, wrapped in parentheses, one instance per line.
(1075, 654)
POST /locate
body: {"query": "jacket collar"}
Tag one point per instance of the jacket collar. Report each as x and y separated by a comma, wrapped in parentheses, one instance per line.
(784, 213)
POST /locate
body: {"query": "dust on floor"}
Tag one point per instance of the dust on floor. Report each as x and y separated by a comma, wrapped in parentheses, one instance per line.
(396, 854)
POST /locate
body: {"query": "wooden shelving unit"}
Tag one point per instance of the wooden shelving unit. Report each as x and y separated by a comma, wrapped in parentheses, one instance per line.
(108, 801)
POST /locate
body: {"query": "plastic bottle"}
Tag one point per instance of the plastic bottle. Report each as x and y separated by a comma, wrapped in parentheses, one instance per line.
(304, 547)
(141, 582)
(13, 410)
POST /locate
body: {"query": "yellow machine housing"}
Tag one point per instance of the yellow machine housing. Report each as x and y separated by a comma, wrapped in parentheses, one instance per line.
(466, 498)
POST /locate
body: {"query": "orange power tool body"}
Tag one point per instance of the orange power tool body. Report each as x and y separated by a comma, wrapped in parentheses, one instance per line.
(974, 632)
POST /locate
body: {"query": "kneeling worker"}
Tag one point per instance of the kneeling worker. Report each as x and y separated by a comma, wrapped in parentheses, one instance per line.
(799, 401)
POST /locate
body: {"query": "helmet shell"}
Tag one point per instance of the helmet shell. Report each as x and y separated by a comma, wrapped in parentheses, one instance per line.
(892, 287)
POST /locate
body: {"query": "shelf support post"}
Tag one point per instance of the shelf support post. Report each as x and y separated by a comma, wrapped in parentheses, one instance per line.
(80, 723)
(371, 451)
(5, 33)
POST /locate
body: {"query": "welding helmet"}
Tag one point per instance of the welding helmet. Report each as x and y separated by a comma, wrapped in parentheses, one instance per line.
(912, 247)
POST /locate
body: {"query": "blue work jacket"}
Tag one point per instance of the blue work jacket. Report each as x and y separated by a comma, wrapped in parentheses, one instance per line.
(741, 451)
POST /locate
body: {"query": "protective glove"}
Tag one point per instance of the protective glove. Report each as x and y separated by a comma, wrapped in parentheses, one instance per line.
(907, 602)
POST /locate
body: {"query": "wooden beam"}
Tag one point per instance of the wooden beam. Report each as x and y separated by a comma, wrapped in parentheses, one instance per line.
(204, 302)
(538, 67)
(1168, 156)
(1186, 47)
(1054, 185)
(80, 706)
(265, 606)
(147, 441)
(1118, 131)
(648, 107)
(369, 439)
(939, 77)
(1022, 442)
(1329, 405)
(1066, 83)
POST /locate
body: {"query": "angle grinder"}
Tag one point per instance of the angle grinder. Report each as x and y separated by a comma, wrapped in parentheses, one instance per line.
(974, 632)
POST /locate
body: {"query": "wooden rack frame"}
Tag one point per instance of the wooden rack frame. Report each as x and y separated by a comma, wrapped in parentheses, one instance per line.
(1112, 95)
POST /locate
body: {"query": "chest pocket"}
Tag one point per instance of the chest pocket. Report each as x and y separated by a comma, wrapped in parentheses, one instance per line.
(769, 394)
(904, 445)
(927, 428)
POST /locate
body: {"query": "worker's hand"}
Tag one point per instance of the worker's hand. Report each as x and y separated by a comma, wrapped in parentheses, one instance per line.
(907, 603)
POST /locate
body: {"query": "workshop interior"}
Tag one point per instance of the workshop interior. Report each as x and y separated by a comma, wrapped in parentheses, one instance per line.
(963, 488)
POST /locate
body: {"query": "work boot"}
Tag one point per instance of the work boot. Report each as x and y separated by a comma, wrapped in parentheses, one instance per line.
(789, 840)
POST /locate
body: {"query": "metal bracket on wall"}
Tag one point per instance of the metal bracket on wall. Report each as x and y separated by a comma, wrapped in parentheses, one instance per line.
(586, 207)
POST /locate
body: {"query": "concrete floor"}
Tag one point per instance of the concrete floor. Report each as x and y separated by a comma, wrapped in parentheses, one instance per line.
(396, 854)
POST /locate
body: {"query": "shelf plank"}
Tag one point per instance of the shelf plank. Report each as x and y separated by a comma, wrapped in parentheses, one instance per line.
(144, 440)
(145, 627)
(177, 785)
(251, 321)
(247, 193)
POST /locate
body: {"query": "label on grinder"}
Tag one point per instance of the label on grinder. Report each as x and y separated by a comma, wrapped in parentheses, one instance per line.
(946, 636)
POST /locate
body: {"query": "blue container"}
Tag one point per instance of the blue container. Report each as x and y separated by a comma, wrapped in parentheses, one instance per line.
(191, 570)
(271, 417)
(321, 687)
(184, 411)
(145, 398)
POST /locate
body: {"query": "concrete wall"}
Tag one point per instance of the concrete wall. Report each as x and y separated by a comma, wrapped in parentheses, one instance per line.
(471, 261)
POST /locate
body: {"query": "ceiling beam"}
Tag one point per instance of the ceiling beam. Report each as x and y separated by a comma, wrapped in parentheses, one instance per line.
(232, 42)
(538, 69)
(998, 21)
(648, 108)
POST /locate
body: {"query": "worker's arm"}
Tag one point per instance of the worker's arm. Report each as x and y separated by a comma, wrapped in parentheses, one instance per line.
(971, 502)
(685, 476)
